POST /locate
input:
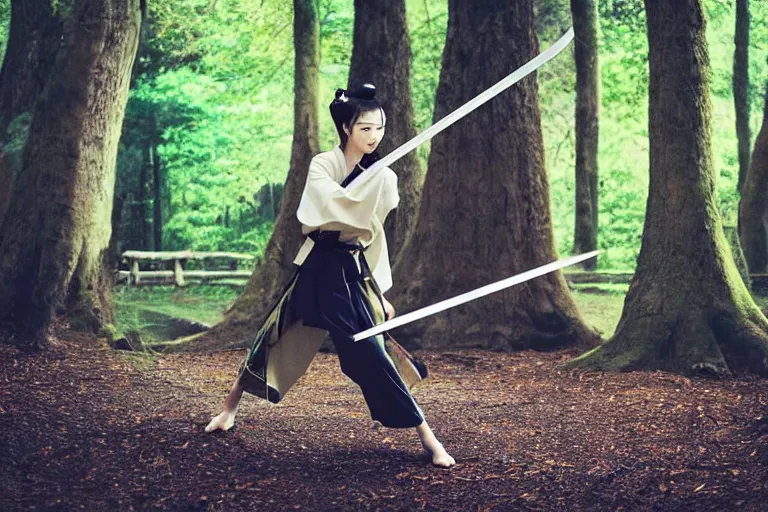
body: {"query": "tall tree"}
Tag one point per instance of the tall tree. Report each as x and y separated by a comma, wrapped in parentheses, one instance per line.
(585, 26)
(33, 41)
(753, 209)
(141, 214)
(485, 205)
(381, 55)
(157, 203)
(687, 309)
(56, 231)
(741, 86)
(267, 280)
(6, 183)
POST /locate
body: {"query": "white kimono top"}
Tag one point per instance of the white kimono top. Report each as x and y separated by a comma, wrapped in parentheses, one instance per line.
(358, 213)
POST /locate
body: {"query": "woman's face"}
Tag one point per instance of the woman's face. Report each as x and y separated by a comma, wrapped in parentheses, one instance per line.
(367, 132)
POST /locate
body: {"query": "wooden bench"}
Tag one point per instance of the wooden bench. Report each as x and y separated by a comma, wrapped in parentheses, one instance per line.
(179, 275)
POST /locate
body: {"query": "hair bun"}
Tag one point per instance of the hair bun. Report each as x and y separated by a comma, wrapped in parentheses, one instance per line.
(364, 92)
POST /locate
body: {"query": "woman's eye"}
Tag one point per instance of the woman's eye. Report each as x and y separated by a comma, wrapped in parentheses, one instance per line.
(366, 129)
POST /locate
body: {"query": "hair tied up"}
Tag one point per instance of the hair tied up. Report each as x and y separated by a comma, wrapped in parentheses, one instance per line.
(341, 95)
(364, 92)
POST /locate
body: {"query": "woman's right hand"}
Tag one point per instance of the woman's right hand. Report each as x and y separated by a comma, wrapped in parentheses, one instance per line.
(389, 309)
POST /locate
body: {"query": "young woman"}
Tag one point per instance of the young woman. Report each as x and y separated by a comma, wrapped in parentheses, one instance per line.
(342, 271)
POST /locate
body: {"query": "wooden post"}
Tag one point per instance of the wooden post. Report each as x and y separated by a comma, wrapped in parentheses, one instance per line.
(134, 272)
(178, 272)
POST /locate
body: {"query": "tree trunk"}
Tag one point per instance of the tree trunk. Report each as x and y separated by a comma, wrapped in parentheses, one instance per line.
(381, 55)
(741, 86)
(112, 261)
(485, 213)
(56, 232)
(585, 26)
(33, 41)
(753, 210)
(142, 195)
(271, 273)
(687, 309)
(6, 184)
(157, 186)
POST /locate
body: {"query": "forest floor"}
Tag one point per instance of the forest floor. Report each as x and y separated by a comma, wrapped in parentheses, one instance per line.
(83, 427)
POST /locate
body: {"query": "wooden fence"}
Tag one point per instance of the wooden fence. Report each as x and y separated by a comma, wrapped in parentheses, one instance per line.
(178, 260)
(232, 260)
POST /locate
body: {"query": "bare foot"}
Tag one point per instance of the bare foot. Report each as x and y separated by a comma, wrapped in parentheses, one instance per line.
(224, 421)
(440, 457)
(433, 447)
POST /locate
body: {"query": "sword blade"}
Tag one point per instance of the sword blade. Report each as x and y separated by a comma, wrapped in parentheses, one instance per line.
(472, 295)
(465, 109)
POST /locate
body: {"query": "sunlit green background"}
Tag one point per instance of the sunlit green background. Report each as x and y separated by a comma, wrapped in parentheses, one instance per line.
(215, 86)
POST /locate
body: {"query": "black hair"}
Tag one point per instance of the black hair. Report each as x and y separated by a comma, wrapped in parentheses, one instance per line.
(346, 109)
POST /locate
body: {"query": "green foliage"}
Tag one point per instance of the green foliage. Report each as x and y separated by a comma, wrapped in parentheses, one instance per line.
(213, 95)
(623, 151)
(427, 24)
(203, 303)
(337, 24)
(5, 25)
(214, 91)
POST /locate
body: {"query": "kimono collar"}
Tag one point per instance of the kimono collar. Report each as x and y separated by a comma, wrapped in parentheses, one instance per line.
(348, 177)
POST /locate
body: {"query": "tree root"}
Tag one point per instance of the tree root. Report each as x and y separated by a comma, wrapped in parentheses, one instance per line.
(695, 342)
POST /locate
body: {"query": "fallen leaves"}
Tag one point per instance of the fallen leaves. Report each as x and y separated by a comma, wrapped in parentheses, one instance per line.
(522, 431)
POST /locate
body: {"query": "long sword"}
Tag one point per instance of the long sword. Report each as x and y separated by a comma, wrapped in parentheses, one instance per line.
(472, 295)
(465, 109)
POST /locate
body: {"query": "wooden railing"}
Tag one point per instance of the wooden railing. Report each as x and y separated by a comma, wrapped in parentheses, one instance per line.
(179, 275)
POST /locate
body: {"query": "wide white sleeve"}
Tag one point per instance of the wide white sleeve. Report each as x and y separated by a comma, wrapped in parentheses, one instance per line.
(377, 256)
(324, 203)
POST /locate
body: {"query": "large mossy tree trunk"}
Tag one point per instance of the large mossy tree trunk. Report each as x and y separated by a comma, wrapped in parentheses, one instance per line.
(687, 309)
(485, 212)
(741, 87)
(33, 42)
(381, 55)
(57, 228)
(585, 26)
(753, 209)
(267, 281)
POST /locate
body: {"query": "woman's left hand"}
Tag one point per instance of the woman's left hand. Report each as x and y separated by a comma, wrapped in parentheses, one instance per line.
(389, 309)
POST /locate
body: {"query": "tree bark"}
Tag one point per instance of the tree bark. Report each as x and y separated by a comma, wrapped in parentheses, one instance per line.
(585, 26)
(56, 232)
(687, 309)
(6, 184)
(142, 197)
(741, 87)
(112, 260)
(157, 203)
(33, 41)
(753, 209)
(485, 205)
(381, 55)
(271, 273)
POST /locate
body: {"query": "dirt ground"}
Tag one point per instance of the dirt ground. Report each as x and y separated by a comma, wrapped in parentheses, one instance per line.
(83, 427)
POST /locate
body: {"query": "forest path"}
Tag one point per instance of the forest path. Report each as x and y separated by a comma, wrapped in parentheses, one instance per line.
(85, 427)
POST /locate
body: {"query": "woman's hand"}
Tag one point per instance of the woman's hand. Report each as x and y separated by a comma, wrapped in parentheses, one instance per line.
(389, 309)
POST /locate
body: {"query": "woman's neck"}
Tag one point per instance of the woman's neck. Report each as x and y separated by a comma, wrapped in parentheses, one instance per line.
(353, 157)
